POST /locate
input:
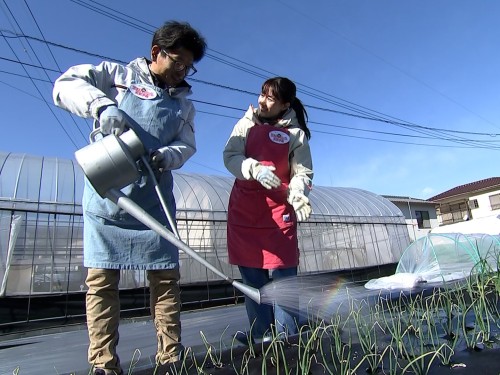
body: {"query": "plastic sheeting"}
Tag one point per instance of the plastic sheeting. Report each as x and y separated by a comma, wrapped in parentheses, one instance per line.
(438, 258)
(349, 228)
(15, 226)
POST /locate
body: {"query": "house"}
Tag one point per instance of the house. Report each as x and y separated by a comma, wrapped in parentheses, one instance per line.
(474, 200)
(420, 215)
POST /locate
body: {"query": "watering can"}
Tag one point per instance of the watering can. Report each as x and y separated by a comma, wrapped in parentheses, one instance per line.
(110, 163)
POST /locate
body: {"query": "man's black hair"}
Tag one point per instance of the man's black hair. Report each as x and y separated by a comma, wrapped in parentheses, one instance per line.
(174, 35)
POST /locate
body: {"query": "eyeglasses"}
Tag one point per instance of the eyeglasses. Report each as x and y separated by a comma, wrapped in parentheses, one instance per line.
(178, 66)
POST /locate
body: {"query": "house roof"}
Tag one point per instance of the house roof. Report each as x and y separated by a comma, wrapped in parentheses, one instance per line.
(397, 198)
(469, 188)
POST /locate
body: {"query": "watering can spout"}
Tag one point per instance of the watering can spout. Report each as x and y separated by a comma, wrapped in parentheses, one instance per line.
(140, 214)
(248, 291)
(110, 164)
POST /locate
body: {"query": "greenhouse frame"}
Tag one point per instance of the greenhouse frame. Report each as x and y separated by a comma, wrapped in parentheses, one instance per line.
(41, 229)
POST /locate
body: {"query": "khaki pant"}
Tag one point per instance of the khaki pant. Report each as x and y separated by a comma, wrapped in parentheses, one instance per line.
(103, 316)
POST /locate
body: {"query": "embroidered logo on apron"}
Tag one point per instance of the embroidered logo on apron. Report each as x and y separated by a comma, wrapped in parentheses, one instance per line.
(279, 137)
(142, 91)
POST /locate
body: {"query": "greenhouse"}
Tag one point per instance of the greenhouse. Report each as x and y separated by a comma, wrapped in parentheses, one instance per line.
(439, 258)
(41, 227)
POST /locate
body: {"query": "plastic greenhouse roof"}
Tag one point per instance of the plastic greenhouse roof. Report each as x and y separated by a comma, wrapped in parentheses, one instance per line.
(49, 184)
(441, 257)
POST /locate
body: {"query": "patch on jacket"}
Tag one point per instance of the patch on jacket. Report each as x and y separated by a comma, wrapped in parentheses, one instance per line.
(142, 91)
(286, 218)
(279, 137)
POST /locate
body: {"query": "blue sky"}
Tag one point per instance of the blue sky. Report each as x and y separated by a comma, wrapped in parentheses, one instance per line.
(403, 96)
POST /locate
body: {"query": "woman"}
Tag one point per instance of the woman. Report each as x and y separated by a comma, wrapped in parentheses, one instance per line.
(268, 153)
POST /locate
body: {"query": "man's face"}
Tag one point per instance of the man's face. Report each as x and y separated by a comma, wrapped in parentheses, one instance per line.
(171, 66)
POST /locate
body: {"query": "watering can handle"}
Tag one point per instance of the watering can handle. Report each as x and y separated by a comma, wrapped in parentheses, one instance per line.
(93, 133)
(96, 131)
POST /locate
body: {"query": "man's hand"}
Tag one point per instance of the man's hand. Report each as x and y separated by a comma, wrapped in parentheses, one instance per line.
(300, 204)
(266, 177)
(158, 159)
(113, 120)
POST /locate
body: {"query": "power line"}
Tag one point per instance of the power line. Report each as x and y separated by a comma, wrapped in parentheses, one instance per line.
(372, 118)
(23, 76)
(315, 94)
(55, 61)
(468, 143)
(387, 62)
(247, 92)
(112, 15)
(17, 35)
(357, 137)
(35, 86)
(348, 104)
(406, 125)
(472, 142)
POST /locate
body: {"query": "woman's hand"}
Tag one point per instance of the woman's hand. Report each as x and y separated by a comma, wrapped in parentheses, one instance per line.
(266, 176)
(300, 204)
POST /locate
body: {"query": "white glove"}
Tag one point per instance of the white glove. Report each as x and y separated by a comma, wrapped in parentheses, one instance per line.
(113, 120)
(266, 176)
(300, 204)
(159, 158)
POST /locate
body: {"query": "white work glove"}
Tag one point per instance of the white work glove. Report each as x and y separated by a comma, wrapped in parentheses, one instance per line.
(266, 177)
(300, 204)
(159, 158)
(113, 120)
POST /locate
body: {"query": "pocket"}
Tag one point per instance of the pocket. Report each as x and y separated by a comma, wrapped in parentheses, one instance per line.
(283, 216)
(258, 208)
(99, 206)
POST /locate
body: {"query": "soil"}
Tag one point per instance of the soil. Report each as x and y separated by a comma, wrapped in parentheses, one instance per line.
(279, 357)
(464, 362)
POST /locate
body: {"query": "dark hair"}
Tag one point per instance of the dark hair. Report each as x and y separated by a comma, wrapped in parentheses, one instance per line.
(174, 35)
(285, 91)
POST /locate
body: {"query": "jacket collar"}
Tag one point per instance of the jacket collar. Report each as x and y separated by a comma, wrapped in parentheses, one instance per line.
(288, 119)
(141, 65)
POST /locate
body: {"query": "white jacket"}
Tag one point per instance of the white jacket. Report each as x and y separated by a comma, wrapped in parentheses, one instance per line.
(299, 153)
(84, 89)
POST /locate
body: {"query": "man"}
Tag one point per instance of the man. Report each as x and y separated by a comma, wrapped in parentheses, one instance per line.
(148, 96)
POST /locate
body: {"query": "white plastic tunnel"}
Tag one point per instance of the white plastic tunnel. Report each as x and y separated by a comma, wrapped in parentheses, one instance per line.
(438, 258)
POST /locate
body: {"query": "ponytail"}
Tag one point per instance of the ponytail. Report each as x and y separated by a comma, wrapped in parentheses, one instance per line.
(302, 117)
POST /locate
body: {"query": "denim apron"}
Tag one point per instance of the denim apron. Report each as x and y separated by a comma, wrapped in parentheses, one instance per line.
(113, 239)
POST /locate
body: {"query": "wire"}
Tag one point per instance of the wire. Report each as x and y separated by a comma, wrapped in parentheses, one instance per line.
(371, 118)
(371, 131)
(387, 62)
(35, 86)
(72, 116)
(340, 126)
(413, 127)
(314, 94)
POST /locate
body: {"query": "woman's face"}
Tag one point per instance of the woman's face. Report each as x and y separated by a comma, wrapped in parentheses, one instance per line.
(269, 106)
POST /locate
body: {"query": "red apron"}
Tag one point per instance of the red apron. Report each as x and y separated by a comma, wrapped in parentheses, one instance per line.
(261, 225)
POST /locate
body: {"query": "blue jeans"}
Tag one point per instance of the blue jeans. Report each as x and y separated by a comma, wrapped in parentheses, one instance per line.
(263, 316)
